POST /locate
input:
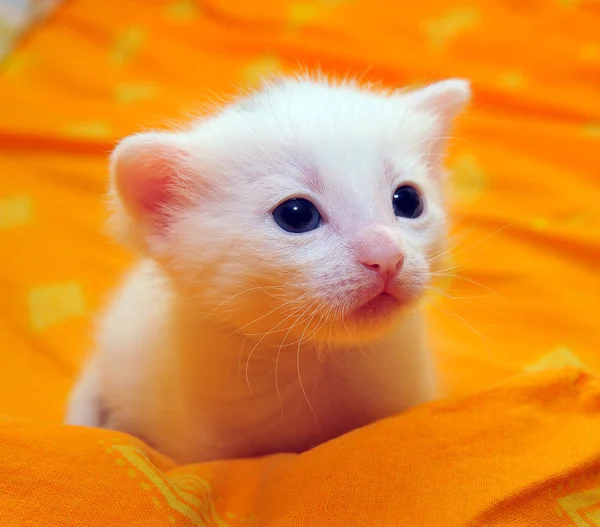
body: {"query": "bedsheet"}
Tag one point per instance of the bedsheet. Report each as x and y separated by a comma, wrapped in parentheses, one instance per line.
(522, 286)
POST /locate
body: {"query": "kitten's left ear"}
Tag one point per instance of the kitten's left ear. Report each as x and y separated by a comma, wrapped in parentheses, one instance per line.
(155, 177)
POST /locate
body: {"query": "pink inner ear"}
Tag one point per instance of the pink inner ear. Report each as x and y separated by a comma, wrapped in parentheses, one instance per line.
(147, 170)
(150, 192)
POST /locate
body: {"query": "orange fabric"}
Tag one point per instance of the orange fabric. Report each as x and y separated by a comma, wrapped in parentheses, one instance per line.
(506, 457)
(521, 293)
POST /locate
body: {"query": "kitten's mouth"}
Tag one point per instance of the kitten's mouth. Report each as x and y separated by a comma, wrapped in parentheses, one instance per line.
(379, 307)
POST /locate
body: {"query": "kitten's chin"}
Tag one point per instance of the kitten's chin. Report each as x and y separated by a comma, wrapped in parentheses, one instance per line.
(379, 309)
(373, 318)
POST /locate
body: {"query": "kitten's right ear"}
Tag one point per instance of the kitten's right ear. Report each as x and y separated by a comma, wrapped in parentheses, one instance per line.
(153, 178)
(445, 99)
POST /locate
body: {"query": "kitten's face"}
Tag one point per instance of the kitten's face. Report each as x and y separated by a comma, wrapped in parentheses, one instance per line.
(318, 214)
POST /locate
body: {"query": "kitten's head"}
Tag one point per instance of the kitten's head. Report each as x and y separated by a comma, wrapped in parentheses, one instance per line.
(305, 210)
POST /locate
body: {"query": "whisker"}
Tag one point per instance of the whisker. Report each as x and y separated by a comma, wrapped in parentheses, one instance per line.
(465, 300)
(442, 292)
(480, 242)
(276, 308)
(239, 362)
(439, 256)
(235, 296)
(460, 277)
(468, 325)
(299, 373)
(277, 363)
(254, 348)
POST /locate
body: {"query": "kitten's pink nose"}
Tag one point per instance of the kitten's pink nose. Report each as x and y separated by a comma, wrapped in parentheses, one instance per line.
(385, 265)
(378, 251)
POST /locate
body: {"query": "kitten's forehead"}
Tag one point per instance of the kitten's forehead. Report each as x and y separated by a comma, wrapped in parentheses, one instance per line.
(325, 112)
(332, 134)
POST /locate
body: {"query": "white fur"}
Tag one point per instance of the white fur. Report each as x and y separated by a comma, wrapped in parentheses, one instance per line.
(234, 338)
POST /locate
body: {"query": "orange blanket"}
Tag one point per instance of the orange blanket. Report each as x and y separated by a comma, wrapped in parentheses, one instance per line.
(525, 454)
(520, 296)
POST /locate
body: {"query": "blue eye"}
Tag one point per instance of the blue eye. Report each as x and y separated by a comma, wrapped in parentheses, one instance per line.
(407, 202)
(297, 215)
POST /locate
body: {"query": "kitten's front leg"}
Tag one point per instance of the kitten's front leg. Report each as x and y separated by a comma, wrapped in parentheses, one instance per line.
(85, 402)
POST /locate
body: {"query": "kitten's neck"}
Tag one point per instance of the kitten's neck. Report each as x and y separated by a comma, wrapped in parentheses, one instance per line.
(245, 364)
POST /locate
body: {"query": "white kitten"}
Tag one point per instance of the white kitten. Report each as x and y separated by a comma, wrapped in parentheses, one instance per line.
(286, 242)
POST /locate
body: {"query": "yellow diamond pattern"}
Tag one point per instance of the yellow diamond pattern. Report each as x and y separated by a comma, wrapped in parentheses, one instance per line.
(128, 93)
(592, 130)
(540, 223)
(469, 180)
(90, 129)
(15, 63)
(300, 13)
(183, 11)
(512, 80)
(126, 45)
(15, 211)
(259, 68)
(443, 29)
(55, 303)
(558, 359)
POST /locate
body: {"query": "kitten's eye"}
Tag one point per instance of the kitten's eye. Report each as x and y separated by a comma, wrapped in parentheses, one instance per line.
(407, 202)
(297, 215)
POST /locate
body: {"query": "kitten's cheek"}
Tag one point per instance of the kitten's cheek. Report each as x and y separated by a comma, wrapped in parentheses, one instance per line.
(412, 283)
